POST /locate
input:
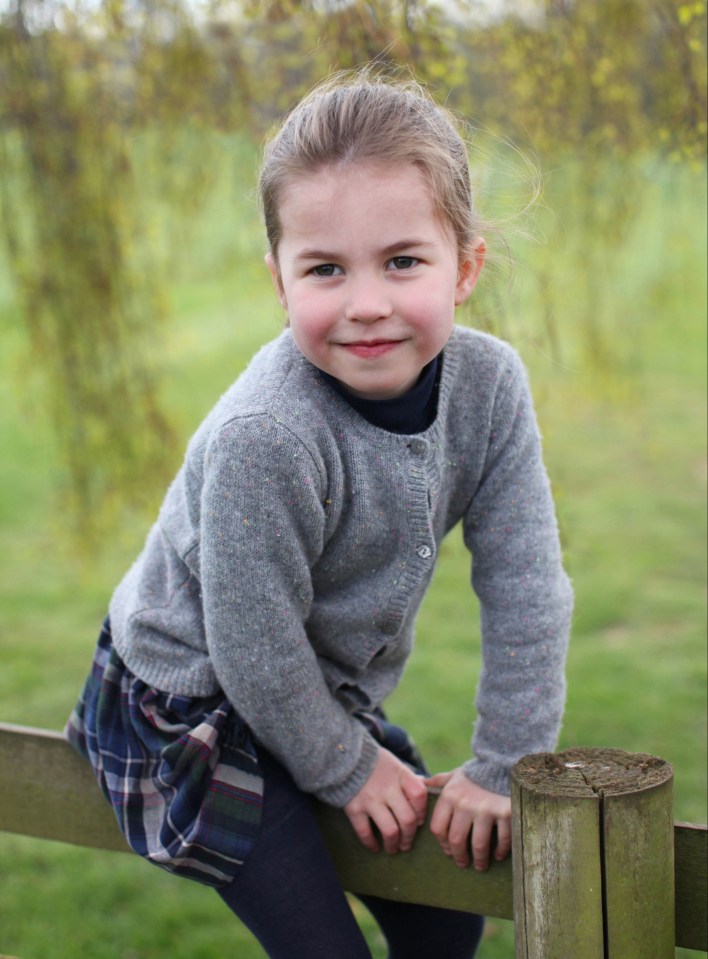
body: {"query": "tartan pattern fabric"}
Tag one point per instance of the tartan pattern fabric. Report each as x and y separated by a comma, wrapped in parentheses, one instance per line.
(181, 773)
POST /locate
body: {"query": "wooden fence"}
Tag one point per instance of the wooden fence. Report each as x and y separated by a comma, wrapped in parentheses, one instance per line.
(599, 870)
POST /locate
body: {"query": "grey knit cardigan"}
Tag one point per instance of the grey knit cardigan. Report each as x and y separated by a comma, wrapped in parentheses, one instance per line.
(294, 547)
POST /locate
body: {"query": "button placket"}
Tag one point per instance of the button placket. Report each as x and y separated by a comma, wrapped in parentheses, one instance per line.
(419, 448)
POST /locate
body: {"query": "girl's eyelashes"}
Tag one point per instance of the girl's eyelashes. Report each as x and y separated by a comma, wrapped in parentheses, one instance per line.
(326, 269)
(396, 263)
(403, 262)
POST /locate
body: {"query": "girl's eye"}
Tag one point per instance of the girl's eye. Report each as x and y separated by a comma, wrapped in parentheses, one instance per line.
(325, 269)
(403, 262)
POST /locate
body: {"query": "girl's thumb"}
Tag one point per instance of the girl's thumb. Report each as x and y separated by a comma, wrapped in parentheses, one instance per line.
(438, 781)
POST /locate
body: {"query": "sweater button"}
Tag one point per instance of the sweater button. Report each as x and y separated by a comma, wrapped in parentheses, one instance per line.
(418, 447)
(425, 552)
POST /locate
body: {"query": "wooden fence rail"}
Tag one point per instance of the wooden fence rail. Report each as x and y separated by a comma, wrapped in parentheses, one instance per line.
(598, 870)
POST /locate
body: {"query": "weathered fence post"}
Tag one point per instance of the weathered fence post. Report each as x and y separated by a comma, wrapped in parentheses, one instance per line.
(593, 856)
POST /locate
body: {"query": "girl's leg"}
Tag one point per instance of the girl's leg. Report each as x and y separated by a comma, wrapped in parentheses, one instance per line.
(425, 932)
(287, 892)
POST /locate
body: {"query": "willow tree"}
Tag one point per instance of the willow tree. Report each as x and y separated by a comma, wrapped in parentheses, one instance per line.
(587, 83)
(76, 94)
(76, 88)
(81, 267)
(604, 94)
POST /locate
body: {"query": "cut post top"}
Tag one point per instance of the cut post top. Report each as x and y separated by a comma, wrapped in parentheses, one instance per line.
(586, 772)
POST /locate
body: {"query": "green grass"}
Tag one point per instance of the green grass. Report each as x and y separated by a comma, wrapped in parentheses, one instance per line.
(625, 446)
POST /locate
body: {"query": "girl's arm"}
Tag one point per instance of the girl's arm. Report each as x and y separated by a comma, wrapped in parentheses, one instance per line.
(262, 531)
(525, 596)
(261, 538)
(525, 603)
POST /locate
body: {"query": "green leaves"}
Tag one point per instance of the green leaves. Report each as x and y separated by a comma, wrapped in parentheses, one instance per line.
(105, 112)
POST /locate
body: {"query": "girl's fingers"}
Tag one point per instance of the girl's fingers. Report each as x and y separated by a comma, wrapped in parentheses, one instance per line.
(393, 802)
(458, 833)
(481, 839)
(438, 781)
(362, 827)
(389, 828)
(408, 806)
(503, 839)
(415, 791)
(440, 823)
(461, 824)
(464, 818)
(397, 828)
(409, 819)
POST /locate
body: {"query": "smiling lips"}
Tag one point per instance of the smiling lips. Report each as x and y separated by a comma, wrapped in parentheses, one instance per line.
(371, 349)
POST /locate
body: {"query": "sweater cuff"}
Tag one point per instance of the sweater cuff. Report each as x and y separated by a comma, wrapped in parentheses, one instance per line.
(340, 794)
(494, 777)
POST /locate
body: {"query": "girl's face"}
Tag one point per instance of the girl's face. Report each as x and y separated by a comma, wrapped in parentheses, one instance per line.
(368, 274)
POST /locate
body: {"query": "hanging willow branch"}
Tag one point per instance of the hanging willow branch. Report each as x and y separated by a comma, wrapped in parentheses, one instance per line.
(74, 91)
(91, 303)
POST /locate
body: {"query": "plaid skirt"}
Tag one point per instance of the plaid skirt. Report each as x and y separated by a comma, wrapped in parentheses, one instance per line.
(181, 773)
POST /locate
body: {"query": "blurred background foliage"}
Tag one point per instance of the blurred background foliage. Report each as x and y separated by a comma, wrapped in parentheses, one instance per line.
(115, 116)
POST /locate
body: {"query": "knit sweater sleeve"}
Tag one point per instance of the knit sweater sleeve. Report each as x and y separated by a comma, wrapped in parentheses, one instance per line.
(263, 528)
(525, 596)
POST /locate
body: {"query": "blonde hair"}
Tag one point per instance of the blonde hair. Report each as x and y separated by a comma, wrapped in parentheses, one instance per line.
(361, 118)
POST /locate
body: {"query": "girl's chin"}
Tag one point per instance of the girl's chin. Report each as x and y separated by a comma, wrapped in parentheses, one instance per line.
(383, 391)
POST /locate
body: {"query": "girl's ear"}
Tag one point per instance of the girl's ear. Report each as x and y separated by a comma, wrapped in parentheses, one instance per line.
(272, 265)
(469, 270)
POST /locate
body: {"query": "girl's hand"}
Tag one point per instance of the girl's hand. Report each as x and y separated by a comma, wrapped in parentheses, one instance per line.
(463, 808)
(394, 799)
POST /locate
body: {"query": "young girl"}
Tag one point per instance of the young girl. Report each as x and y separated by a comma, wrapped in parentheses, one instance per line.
(249, 649)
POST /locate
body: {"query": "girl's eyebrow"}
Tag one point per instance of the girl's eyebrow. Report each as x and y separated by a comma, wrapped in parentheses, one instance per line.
(328, 256)
(316, 255)
(414, 243)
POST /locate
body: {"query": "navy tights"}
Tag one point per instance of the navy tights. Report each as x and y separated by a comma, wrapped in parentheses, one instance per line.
(287, 893)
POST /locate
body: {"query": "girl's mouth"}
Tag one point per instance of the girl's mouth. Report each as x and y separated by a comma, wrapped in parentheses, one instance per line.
(372, 349)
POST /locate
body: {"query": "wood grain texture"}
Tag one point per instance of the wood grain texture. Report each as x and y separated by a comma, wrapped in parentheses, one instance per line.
(557, 867)
(617, 878)
(639, 874)
(691, 870)
(47, 791)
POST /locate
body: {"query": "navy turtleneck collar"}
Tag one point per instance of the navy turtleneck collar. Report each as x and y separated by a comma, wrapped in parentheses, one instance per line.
(411, 413)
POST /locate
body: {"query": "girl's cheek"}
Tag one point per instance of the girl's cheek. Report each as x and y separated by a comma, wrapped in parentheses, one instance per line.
(309, 326)
(316, 312)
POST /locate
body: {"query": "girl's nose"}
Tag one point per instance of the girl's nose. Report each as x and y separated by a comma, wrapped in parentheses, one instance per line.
(367, 301)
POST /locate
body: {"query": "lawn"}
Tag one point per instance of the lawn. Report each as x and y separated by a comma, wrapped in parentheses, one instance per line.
(624, 434)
